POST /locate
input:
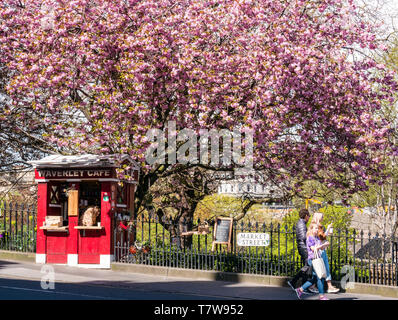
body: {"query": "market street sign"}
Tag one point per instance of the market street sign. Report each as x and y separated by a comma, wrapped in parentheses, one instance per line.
(249, 239)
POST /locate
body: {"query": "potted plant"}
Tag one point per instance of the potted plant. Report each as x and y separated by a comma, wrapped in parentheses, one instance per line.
(133, 250)
(146, 248)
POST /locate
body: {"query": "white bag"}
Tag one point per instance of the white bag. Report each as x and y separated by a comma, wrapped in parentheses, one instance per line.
(319, 265)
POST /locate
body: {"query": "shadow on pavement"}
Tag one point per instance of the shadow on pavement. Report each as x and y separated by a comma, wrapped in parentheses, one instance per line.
(4, 263)
(30, 281)
(21, 289)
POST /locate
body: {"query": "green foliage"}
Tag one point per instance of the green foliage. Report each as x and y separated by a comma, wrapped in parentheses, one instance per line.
(341, 219)
(290, 219)
(338, 215)
(391, 59)
(25, 242)
(218, 205)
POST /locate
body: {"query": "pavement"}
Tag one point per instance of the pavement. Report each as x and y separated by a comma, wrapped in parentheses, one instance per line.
(26, 280)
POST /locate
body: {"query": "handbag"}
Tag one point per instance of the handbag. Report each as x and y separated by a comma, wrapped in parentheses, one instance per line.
(318, 265)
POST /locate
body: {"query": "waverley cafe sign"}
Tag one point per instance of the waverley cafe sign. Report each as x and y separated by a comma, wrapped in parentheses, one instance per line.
(251, 239)
(76, 173)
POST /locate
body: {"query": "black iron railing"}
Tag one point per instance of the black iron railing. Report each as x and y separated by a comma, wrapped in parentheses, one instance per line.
(18, 227)
(353, 256)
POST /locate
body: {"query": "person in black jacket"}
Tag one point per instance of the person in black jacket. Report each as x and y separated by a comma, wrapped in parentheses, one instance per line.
(301, 238)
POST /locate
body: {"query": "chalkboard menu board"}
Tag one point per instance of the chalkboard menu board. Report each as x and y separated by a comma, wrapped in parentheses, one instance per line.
(223, 231)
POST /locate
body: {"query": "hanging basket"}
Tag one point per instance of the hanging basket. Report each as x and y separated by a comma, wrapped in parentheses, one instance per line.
(146, 249)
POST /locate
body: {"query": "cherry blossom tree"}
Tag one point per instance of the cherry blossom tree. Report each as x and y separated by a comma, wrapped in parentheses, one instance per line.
(100, 74)
(20, 135)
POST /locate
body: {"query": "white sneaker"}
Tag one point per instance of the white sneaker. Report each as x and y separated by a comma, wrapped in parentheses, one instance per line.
(333, 290)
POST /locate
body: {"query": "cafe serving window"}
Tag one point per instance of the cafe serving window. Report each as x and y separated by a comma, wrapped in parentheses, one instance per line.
(59, 200)
(90, 197)
(58, 194)
(90, 194)
(54, 195)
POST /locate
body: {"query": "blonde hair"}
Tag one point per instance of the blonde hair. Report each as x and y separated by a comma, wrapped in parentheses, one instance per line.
(317, 217)
(309, 231)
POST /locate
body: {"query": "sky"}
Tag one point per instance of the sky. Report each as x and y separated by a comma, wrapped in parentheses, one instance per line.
(387, 10)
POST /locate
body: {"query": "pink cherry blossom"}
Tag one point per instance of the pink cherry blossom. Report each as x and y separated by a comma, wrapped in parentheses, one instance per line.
(107, 71)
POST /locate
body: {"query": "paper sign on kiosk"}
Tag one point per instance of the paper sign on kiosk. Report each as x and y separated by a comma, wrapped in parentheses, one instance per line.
(73, 203)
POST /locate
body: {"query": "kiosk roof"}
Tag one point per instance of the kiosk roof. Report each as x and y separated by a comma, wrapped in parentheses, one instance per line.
(86, 160)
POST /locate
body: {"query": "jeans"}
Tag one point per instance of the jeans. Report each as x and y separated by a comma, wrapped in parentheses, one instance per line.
(326, 261)
(320, 283)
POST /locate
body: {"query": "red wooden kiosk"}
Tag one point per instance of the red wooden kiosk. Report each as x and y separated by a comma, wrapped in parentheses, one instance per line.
(67, 186)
